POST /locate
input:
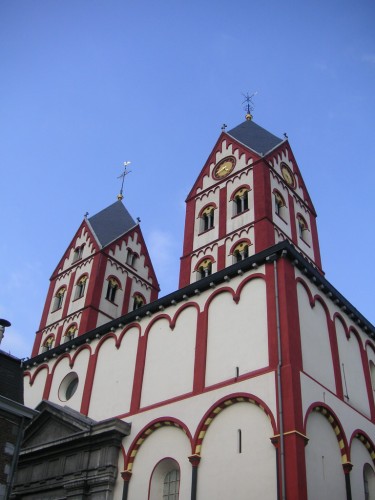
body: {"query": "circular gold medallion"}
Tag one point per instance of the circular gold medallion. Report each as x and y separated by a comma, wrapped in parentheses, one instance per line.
(224, 167)
(288, 175)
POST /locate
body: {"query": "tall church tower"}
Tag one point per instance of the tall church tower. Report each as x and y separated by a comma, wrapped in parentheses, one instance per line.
(104, 273)
(254, 379)
(248, 196)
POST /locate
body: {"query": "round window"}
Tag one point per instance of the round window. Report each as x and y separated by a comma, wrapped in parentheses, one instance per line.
(68, 386)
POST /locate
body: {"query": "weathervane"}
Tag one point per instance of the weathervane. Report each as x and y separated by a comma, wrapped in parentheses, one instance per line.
(249, 106)
(125, 172)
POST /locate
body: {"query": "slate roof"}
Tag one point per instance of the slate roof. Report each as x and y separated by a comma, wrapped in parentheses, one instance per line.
(255, 137)
(111, 223)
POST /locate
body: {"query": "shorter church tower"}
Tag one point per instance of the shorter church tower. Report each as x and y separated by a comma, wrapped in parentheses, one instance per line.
(105, 272)
(248, 196)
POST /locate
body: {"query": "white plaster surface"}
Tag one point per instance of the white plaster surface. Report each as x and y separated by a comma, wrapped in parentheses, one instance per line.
(325, 475)
(237, 333)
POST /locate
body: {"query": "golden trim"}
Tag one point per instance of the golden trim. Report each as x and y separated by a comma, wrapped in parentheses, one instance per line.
(291, 432)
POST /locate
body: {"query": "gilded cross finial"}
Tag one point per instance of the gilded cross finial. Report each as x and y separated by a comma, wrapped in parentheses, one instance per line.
(249, 106)
(120, 196)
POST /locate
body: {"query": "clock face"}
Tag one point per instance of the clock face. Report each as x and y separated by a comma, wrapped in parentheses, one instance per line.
(224, 167)
(288, 175)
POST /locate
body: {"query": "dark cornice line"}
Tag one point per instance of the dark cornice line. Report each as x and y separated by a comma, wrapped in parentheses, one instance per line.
(283, 249)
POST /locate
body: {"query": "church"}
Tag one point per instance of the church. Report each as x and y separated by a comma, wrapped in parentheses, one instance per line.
(255, 379)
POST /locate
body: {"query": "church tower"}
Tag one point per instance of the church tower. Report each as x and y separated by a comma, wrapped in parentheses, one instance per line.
(105, 272)
(248, 196)
(254, 379)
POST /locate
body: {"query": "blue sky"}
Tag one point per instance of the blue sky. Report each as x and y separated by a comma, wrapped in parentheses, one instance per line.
(88, 84)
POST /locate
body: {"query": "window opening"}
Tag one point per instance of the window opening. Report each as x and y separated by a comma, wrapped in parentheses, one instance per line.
(70, 333)
(77, 255)
(368, 481)
(372, 376)
(138, 301)
(205, 269)
(48, 344)
(68, 386)
(279, 203)
(112, 289)
(80, 287)
(239, 441)
(241, 201)
(241, 252)
(58, 299)
(302, 227)
(131, 258)
(171, 485)
(207, 219)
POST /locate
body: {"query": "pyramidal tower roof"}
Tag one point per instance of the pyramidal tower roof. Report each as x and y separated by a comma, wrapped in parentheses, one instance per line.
(110, 223)
(255, 137)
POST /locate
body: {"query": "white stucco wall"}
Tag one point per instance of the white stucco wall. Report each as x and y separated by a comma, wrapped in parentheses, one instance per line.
(237, 333)
(169, 367)
(165, 442)
(62, 369)
(316, 349)
(33, 392)
(325, 475)
(114, 374)
(226, 473)
(354, 384)
(359, 456)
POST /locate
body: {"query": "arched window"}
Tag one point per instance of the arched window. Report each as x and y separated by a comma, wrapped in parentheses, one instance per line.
(171, 485)
(80, 287)
(138, 301)
(77, 255)
(372, 375)
(241, 201)
(207, 218)
(279, 204)
(368, 481)
(131, 258)
(112, 287)
(302, 228)
(48, 343)
(165, 480)
(241, 251)
(70, 333)
(58, 299)
(204, 269)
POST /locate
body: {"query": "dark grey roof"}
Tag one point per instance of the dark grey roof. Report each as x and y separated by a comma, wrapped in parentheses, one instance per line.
(111, 223)
(255, 137)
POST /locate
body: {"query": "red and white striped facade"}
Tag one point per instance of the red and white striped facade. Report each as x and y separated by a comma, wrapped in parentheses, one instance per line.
(85, 259)
(256, 381)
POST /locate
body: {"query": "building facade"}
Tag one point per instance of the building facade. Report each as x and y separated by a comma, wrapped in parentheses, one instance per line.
(255, 379)
(14, 417)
